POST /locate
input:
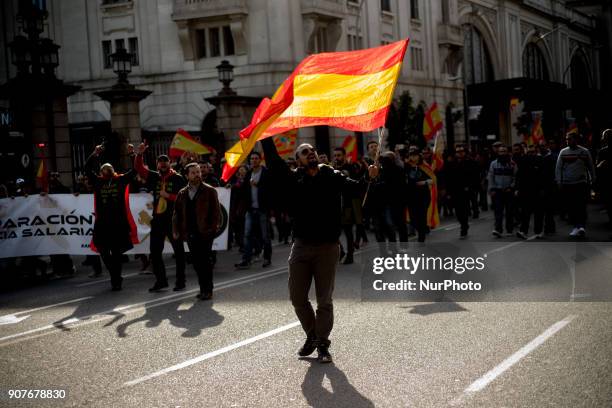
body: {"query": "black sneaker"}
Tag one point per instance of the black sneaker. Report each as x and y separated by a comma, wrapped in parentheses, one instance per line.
(310, 345)
(205, 296)
(178, 288)
(323, 354)
(348, 260)
(266, 263)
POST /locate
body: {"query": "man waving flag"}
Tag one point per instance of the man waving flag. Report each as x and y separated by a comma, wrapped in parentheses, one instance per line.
(351, 90)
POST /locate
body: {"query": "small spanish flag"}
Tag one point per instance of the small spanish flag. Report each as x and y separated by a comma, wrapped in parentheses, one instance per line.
(432, 123)
(184, 142)
(350, 146)
(41, 176)
(350, 89)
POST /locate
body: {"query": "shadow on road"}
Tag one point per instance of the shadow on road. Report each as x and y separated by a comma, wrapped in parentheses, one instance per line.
(437, 307)
(197, 317)
(343, 394)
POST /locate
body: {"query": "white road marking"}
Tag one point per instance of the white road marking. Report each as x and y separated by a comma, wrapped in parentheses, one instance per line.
(11, 319)
(212, 354)
(95, 282)
(48, 306)
(490, 376)
(110, 314)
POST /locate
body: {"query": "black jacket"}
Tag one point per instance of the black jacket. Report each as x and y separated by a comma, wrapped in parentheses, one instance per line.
(314, 202)
(265, 190)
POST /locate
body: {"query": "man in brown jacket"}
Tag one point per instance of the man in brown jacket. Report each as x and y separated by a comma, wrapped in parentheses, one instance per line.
(197, 219)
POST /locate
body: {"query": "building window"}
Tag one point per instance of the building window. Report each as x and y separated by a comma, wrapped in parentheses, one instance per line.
(215, 42)
(354, 42)
(107, 50)
(445, 11)
(534, 65)
(477, 66)
(200, 37)
(414, 9)
(416, 56)
(318, 43)
(385, 5)
(228, 41)
(133, 49)
(119, 43)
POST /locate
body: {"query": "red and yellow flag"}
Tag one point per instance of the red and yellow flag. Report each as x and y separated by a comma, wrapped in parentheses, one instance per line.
(351, 90)
(432, 122)
(184, 142)
(41, 176)
(433, 215)
(285, 143)
(350, 146)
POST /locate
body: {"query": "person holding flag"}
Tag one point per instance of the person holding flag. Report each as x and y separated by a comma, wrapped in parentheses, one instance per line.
(351, 90)
(165, 183)
(114, 229)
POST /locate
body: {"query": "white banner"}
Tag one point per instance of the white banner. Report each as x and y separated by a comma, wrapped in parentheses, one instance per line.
(63, 224)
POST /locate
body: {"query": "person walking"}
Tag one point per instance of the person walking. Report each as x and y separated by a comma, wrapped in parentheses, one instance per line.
(196, 220)
(313, 194)
(574, 174)
(502, 175)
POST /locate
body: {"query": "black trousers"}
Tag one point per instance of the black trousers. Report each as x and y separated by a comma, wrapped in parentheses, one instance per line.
(575, 197)
(417, 208)
(161, 228)
(503, 205)
(532, 204)
(113, 260)
(200, 249)
(461, 202)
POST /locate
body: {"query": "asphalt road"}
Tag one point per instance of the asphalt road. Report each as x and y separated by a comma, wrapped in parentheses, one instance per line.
(136, 349)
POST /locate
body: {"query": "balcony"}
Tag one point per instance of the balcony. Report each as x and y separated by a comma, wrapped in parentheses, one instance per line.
(334, 9)
(450, 35)
(194, 9)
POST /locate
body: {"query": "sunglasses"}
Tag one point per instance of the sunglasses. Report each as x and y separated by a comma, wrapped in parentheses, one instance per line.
(306, 151)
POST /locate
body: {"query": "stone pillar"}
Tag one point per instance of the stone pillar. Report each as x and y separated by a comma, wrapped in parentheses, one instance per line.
(125, 117)
(234, 113)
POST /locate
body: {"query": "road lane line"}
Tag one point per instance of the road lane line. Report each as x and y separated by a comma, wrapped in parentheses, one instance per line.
(212, 354)
(80, 285)
(47, 307)
(490, 376)
(110, 314)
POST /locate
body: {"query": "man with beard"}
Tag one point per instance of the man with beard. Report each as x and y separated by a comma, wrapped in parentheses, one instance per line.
(314, 199)
(197, 219)
(165, 183)
(114, 229)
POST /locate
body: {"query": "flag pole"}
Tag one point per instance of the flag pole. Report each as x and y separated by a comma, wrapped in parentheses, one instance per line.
(377, 161)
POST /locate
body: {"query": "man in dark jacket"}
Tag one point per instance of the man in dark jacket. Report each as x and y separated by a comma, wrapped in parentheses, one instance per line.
(165, 183)
(313, 193)
(257, 193)
(462, 181)
(114, 229)
(530, 192)
(197, 219)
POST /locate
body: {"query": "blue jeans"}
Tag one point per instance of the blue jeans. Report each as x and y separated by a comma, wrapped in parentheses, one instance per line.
(256, 221)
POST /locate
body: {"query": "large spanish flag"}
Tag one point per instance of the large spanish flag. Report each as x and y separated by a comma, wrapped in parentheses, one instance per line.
(350, 90)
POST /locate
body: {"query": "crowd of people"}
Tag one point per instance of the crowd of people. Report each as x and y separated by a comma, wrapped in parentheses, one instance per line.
(311, 201)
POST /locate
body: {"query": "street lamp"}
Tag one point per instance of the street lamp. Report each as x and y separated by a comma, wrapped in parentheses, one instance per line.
(226, 76)
(49, 59)
(31, 18)
(21, 53)
(122, 65)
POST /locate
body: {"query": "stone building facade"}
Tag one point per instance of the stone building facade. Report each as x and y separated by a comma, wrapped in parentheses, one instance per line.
(178, 44)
